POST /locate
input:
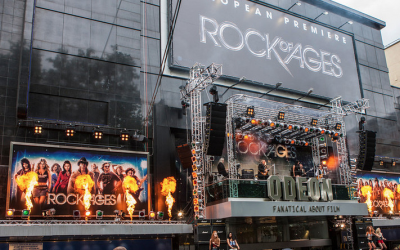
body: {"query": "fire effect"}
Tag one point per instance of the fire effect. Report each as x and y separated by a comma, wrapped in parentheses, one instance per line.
(85, 183)
(366, 191)
(389, 195)
(130, 186)
(26, 183)
(168, 187)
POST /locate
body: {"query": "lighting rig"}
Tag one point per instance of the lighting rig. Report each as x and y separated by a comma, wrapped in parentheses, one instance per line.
(72, 129)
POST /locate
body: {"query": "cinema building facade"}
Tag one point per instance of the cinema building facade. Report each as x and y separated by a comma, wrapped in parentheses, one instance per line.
(87, 86)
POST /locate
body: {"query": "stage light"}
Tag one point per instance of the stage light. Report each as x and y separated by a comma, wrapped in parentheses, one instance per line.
(393, 163)
(322, 131)
(87, 213)
(281, 115)
(38, 129)
(160, 215)
(152, 215)
(336, 134)
(142, 214)
(285, 125)
(314, 122)
(246, 137)
(253, 121)
(124, 135)
(327, 132)
(322, 138)
(338, 126)
(196, 208)
(76, 214)
(250, 111)
(342, 225)
(195, 201)
(306, 144)
(296, 127)
(287, 141)
(25, 214)
(180, 214)
(194, 182)
(306, 130)
(98, 134)
(10, 213)
(292, 142)
(70, 131)
(99, 214)
(194, 175)
(272, 124)
(195, 192)
(323, 162)
(194, 167)
(312, 130)
(381, 162)
(49, 212)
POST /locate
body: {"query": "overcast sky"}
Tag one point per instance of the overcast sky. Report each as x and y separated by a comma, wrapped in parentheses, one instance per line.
(385, 10)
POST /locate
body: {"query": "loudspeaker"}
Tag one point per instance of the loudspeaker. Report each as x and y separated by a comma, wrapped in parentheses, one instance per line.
(185, 155)
(215, 128)
(220, 231)
(247, 173)
(366, 154)
(202, 233)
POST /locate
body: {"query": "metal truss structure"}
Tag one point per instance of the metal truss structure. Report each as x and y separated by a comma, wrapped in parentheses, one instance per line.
(200, 78)
(87, 222)
(340, 111)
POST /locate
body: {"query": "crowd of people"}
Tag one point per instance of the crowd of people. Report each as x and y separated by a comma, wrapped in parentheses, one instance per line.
(57, 179)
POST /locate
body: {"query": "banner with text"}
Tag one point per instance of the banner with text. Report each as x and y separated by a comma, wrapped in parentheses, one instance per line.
(265, 45)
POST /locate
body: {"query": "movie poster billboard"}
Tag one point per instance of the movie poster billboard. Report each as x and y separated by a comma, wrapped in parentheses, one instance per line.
(72, 178)
(382, 189)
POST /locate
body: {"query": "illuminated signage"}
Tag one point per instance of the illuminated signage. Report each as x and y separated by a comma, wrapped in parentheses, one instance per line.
(265, 45)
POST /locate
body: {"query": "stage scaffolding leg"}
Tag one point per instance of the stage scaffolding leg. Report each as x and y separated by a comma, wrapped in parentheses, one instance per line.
(230, 142)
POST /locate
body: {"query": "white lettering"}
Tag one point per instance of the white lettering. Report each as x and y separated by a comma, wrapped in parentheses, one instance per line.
(296, 24)
(286, 20)
(304, 26)
(247, 7)
(236, 4)
(258, 12)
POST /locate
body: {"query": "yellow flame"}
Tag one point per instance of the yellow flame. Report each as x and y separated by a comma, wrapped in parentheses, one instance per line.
(26, 183)
(389, 195)
(130, 186)
(168, 186)
(84, 184)
(366, 191)
(170, 202)
(398, 189)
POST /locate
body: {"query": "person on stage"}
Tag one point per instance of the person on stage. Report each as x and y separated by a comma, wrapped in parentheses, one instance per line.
(232, 243)
(379, 234)
(370, 233)
(221, 168)
(321, 172)
(263, 170)
(215, 241)
(298, 170)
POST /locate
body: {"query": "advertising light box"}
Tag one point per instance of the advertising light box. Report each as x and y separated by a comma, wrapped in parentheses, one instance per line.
(64, 179)
(267, 46)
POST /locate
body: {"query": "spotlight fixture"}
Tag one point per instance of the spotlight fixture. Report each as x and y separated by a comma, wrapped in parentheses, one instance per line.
(124, 135)
(393, 163)
(314, 122)
(76, 214)
(160, 215)
(195, 192)
(194, 175)
(250, 111)
(70, 131)
(38, 129)
(87, 213)
(298, 3)
(152, 215)
(180, 214)
(10, 213)
(281, 115)
(98, 134)
(196, 201)
(214, 92)
(323, 13)
(25, 214)
(348, 22)
(338, 126)
(142, 214)
(99, 214)
(381, 162)
(49, 213)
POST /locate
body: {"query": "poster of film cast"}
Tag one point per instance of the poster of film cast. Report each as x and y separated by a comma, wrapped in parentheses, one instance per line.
(44, 177)
(380, 191)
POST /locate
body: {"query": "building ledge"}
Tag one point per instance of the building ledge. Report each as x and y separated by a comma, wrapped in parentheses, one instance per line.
(258, 207)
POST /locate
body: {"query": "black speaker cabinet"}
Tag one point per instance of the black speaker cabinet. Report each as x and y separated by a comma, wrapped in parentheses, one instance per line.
(185, 155)
(202, 233)
(366, 153)
(215, 128)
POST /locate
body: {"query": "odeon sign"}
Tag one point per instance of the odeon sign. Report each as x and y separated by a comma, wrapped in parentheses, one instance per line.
(300, 189)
